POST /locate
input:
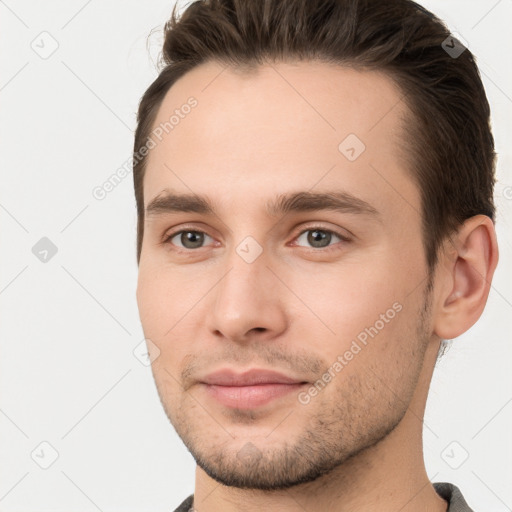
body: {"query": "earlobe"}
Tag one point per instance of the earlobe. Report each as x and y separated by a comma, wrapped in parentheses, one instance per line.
(468, 275)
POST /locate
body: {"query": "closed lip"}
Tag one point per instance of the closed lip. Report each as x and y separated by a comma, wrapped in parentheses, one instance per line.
(253, 377)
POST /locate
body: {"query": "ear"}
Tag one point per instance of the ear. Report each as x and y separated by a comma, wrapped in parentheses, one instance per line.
(467, 265)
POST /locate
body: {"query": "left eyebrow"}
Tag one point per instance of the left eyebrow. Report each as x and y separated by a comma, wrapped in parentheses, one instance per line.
(303, 201)
(339, 201)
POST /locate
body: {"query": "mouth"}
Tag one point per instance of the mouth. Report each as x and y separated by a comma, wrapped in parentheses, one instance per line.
(251, 389)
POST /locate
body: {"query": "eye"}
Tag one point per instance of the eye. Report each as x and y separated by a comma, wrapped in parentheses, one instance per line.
(316, 236)
(319, 237)
(189, 239)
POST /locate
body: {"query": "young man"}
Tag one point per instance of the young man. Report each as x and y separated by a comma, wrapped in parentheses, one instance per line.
(314, 188)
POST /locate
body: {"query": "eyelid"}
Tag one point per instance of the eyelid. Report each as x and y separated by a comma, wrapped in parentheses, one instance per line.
(168, 235)
(343, 233)
(174, 231)
(344, 239)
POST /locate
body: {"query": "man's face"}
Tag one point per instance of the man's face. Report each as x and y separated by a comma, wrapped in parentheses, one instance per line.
(309, 293)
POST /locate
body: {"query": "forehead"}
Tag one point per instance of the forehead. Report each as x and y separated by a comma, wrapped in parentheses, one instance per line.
(280, 127)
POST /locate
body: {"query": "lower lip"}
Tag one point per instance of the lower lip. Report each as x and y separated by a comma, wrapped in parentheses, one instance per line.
(249, 397)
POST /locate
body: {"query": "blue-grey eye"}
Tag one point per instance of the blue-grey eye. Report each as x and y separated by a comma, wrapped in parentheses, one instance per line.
(189, 239)
(319, 238)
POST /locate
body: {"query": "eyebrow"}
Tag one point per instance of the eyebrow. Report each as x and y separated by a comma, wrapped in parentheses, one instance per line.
(340, 201)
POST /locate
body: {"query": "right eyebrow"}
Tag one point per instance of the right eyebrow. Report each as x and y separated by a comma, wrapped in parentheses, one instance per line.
(175, 203)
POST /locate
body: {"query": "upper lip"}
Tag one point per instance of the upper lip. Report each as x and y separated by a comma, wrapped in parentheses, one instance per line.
(251, 377)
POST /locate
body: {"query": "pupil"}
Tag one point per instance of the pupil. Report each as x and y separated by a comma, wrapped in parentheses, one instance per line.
(319, 236)
(192, 237)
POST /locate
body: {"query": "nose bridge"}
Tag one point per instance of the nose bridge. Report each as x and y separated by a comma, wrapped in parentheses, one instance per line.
(246, 261)
(246, 279)
(247, 297)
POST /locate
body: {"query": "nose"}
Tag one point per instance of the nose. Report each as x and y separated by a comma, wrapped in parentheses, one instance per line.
(248, 302)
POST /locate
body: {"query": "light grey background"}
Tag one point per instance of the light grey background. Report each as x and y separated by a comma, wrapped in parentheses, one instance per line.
(69, 326)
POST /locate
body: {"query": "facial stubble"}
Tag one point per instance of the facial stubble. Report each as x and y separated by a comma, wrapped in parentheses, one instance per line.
(338, 428)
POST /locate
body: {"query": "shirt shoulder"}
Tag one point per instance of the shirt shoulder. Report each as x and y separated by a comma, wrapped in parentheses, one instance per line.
(186, 505)
(451, 493)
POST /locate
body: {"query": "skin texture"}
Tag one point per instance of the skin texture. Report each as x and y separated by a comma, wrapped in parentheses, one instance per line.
(356, 445)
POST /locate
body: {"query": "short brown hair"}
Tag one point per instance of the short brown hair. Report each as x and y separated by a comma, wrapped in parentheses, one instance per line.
(450, 143)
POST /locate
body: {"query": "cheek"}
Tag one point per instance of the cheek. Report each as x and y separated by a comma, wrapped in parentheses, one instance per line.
(155, 299)
(365, 313)
(166, 312)
(350, 299)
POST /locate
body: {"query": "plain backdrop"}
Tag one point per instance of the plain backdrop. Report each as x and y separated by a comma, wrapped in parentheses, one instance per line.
(74, 398)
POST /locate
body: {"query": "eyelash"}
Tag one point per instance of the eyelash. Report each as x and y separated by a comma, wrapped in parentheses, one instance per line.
(343, 238)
